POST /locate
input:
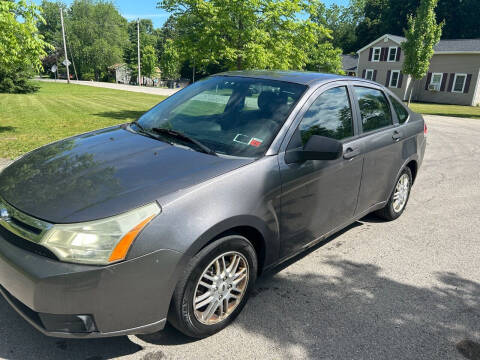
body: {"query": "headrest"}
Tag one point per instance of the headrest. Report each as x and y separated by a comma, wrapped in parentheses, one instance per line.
(269, 101)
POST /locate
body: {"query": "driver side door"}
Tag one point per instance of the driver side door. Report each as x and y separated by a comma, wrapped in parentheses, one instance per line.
(320, 195)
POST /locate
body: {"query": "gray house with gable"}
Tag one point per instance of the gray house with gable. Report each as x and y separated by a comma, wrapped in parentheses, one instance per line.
(453, 76)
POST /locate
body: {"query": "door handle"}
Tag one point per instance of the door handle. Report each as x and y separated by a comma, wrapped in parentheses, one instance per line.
(350, 153)
(397, 135)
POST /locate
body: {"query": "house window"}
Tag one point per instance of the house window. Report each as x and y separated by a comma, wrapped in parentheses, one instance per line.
(392, 54)
(369, 74)
(394, 78)
(459, 83)
(436, 81)
(376, 54)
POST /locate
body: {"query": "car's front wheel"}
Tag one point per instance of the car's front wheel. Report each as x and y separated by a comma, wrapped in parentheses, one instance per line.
(399, 197)
(214, 287)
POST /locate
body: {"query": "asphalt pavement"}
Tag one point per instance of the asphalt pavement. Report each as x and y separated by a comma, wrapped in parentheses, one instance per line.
(408, 289)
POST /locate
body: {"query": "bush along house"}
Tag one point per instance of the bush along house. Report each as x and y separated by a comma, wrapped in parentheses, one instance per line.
(453, 76)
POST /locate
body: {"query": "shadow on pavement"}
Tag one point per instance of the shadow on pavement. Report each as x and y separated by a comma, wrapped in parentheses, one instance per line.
(19, 340)
(358, 313)
(352, 312)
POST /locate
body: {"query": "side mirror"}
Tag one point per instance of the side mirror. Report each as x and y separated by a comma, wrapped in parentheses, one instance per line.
(317, 148)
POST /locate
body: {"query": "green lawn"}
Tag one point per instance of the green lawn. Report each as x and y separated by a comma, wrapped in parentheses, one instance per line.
(61, 110)
(447, 110)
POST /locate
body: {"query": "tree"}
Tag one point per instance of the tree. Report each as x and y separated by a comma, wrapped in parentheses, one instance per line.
(170, 61)
(342, 21)
(21, 46)
(254, 34)
(149, 61)
(98, 36)
(148, 39)
(422, 35)
(461, 18)
(51, 28)
(372, 25)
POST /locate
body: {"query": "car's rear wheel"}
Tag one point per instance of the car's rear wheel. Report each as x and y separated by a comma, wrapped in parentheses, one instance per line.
(214, 287)
(399, 197)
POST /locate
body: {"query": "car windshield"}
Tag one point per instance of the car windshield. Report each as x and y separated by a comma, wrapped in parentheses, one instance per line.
(234, 116)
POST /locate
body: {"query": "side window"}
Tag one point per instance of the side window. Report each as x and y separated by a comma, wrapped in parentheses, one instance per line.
(330, 115)
(374, 108)
(401, 112)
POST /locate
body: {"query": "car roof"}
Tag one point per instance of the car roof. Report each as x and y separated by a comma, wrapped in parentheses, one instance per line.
(297, 77)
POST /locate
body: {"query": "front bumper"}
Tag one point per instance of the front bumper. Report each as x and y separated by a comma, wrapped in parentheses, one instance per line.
(82, 301)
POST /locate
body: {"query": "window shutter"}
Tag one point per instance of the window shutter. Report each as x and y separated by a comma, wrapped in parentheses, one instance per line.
(382, 54)
(374, 75)
(467, 83)
(444, 82)
(399, 51)
(450, 82)
(363, 73)
(370, 54)
(400, 80)
(389, 72)
(429, 78)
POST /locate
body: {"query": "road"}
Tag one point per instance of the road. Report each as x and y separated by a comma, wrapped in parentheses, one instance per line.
(107, 85)
(408, 289)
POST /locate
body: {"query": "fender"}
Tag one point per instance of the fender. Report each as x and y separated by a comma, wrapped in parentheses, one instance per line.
(271, 239)
(413, 157)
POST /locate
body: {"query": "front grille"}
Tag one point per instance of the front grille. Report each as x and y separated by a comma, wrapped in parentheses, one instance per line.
(25, 244)
(26, 226)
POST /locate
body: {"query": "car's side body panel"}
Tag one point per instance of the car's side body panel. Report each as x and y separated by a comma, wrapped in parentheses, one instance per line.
(192, 217)
(317, 196)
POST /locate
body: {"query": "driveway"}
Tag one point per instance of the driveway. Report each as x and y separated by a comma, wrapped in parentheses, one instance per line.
(106, 85)
(409, 289)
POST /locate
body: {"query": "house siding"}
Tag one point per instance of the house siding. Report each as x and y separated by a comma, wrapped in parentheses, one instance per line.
(450, 65)
(383, 67)
(447, 64)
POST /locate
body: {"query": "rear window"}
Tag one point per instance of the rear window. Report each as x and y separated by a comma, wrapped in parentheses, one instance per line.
(374, 108)
(401, 112)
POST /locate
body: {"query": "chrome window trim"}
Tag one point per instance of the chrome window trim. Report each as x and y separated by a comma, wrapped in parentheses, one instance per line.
(7, 223)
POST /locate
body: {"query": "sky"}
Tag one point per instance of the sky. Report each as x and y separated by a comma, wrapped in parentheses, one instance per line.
(146, 9)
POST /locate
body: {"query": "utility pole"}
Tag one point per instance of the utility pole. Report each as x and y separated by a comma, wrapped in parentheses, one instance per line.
(138, 50)
(65, 46)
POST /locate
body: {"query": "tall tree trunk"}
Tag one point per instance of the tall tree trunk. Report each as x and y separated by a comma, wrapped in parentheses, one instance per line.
(411, 91)
(193, 72)
(239, 62)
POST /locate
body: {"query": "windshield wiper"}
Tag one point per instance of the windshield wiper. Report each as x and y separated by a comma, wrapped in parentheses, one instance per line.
(138, 125)
(144, 131)
(181, 136)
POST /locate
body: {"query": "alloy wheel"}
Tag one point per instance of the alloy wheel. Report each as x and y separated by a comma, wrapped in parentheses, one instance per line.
(400, 195)
(221, 288)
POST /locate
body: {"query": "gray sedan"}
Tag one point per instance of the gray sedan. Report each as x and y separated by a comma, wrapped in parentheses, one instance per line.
(173, 217)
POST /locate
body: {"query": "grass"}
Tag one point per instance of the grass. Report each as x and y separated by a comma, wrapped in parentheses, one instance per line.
(447, 110)
(57, 111)
(60, 110)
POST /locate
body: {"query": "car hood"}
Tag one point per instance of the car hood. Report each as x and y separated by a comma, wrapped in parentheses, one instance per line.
(103, 173)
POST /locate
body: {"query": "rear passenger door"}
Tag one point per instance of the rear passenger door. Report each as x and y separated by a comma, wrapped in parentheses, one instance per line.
(381, 139)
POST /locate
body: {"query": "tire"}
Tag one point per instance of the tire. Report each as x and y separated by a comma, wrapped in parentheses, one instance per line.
(196, 323)
(391, 211)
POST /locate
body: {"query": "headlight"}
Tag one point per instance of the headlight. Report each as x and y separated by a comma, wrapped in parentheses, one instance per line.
(99, 242)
